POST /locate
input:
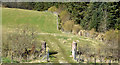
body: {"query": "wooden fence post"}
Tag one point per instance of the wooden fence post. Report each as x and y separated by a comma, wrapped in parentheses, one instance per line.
(95, 60)
(12, 58)
(110, 62)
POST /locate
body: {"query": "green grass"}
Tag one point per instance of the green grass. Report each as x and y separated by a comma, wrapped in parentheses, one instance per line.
(7, 60)
(44, 21)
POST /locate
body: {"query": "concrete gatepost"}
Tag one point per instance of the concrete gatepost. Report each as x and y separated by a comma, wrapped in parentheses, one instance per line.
(80, 33)
(44, 46)
(48, 55)
(74, 49)
(74, 54)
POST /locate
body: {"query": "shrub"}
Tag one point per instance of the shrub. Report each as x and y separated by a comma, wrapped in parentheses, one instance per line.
(111, 37)
(64, 16)
(92, 32)
(15, 42)
(52, 9)
(67, 26)
(76, 29)
(61, 8)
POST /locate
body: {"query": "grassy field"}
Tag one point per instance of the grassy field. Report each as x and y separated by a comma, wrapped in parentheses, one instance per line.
(45, 22)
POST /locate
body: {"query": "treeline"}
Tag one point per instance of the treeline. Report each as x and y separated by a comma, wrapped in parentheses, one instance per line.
(39, 6)
(101, 16)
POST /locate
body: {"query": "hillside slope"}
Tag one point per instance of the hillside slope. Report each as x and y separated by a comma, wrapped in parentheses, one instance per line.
(45, 21)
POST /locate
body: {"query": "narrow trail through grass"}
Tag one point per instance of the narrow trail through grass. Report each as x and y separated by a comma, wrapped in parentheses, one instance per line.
(56, 47)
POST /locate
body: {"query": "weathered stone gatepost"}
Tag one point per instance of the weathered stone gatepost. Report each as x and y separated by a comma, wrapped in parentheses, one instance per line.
(44, 46)
(80, 33)
(48, 55)
(74, 49)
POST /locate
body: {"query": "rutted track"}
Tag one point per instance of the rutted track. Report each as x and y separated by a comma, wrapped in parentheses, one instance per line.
(67, 35)
(57, 45)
